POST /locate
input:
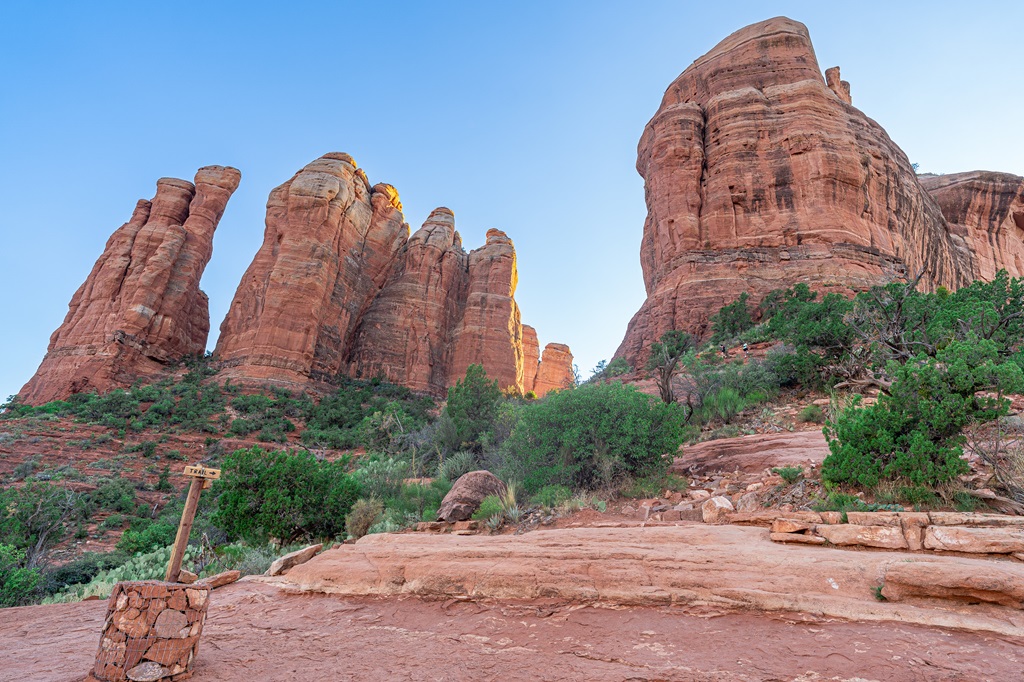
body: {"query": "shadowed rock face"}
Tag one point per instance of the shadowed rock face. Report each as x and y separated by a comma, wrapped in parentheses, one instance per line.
(339, 286)
(987, 211)
(758, 175)
(141, 307)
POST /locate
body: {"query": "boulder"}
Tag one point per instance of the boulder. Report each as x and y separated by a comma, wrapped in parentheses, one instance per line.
(886, 537)
(466, 495)
(974, 540)
(716, 510)
(282, 564)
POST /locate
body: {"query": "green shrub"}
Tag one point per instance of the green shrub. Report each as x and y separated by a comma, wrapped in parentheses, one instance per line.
(915, 431)
(112, 522)
(812, 414)
(490, 506)
(263, 495)
(789, 474)
(731, 320)
(144, 536)
(35, 517)
(381, 479)
(17, 583)
(551, 496)
(456, 465)
(472, 406)
(363, 515)
(588, 437)
(113, 494)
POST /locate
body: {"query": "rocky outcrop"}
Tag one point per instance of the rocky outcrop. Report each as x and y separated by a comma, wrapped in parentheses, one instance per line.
(531, 358)
(555, 371)
(987, 211)
(552, 371)
(759, 175)
(140, 308)
(339, 286)
(330, 243)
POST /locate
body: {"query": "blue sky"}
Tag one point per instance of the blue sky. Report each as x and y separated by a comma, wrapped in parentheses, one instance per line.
(518, 115)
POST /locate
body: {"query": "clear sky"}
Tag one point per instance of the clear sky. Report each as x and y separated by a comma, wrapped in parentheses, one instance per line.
(518, 115)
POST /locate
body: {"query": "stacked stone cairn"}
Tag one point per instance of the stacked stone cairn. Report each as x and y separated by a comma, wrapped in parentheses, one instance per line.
(151, 632)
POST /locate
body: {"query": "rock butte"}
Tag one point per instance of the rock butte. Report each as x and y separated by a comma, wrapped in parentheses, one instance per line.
(140, 307)
(760, 174)
(338, 287)
(373, 301)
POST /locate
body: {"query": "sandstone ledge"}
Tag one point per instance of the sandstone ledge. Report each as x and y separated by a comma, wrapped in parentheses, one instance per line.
(721, 566)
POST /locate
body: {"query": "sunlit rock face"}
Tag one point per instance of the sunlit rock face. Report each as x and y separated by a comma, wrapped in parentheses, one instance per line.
(987, 211)
(759, 175)
(340, 287)
(330, 243)
(140, 309)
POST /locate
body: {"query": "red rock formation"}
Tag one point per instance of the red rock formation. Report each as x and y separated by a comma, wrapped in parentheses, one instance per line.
(757, 176)
(987, 210)
(405, 335)
(531, 358)
(840, 87)
(339, 286)
(555, 371)
(141, 307)
(490, 332)
(330, 244)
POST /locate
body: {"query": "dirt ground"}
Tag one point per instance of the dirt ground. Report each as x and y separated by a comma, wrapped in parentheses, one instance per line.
(257, 632)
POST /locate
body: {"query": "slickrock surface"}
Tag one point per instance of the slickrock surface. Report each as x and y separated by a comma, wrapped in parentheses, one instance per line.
(758, 175)
(725, 566)
(987, 210)
(141, 307)
(753, 454)
(339, 286)
(261, 633)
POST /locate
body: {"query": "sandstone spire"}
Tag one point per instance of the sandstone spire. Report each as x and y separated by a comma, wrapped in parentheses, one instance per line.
(141, 307)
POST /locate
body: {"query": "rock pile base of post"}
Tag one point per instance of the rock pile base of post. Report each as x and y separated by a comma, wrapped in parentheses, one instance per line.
(151, 632)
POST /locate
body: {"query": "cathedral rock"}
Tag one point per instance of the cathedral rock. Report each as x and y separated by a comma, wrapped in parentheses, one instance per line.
(759, 173)
(141, 307)
(339, 286)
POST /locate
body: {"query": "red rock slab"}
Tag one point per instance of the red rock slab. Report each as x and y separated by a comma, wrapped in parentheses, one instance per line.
(260, 633)
(753, 454)
(732, 566)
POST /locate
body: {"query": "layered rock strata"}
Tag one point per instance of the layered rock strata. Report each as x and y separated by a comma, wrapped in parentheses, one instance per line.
(987, 211)
(141, 307)
(339, 286)
(759, 175)
(330, 243)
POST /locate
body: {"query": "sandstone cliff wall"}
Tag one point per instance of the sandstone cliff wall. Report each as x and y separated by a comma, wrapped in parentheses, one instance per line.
(987, 211)
(141, 307)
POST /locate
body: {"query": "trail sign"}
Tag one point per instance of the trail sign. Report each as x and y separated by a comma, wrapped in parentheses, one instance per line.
(202, 477)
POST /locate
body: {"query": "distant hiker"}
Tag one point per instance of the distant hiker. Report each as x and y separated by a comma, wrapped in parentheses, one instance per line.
(746, 351)
(725, 354)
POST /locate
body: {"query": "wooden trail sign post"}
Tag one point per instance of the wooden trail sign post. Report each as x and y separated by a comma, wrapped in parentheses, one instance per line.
(201, 478)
